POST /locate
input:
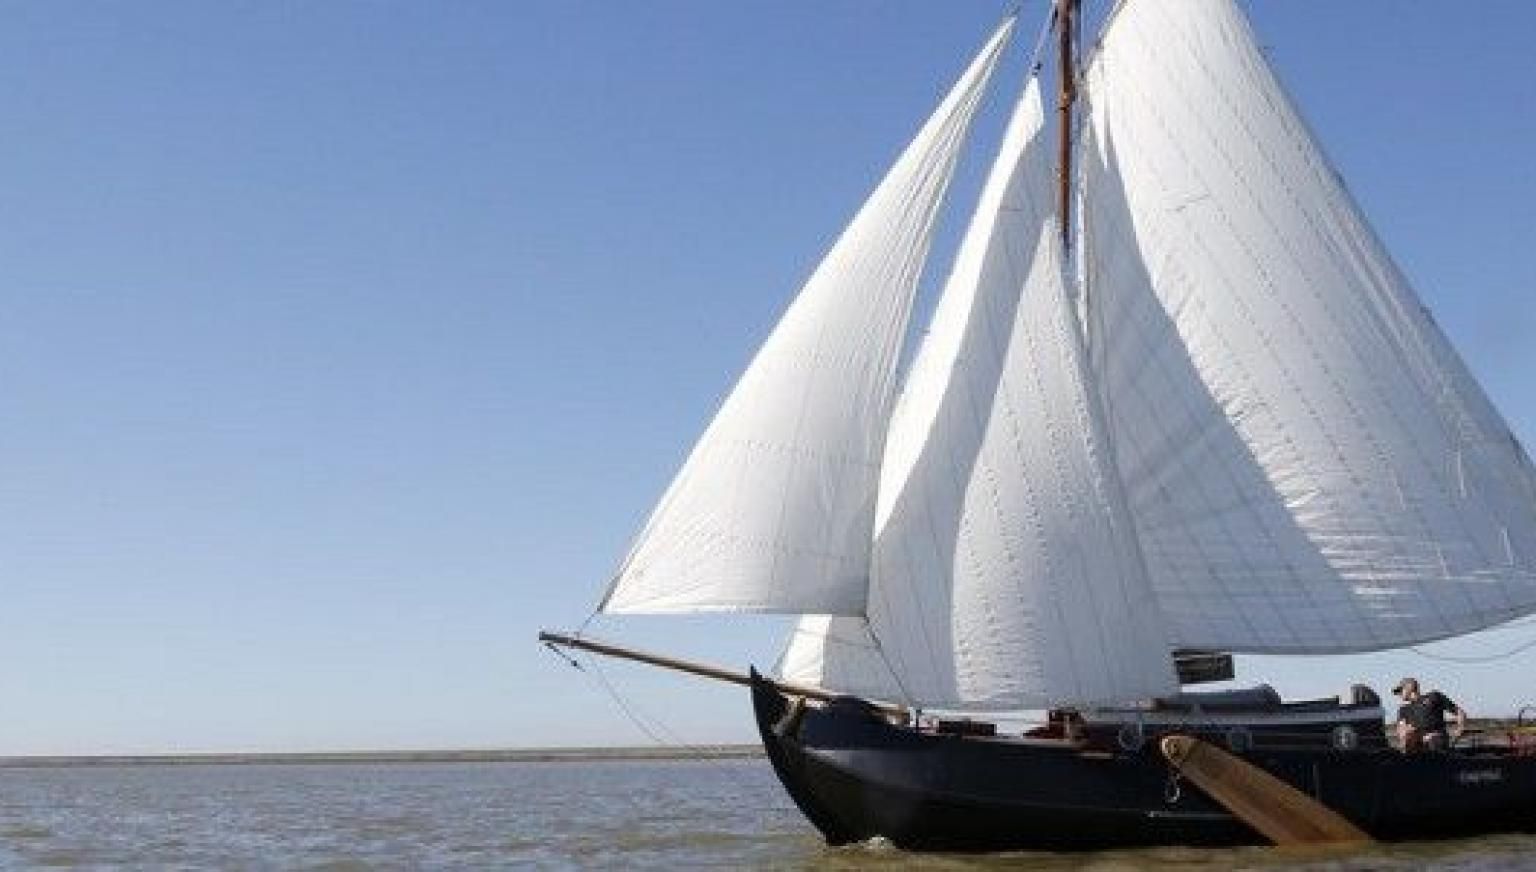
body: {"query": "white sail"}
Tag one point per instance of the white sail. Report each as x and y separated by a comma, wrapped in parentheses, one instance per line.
(1310, 466)
(1006, 572)
(837, 653)
(772, 511)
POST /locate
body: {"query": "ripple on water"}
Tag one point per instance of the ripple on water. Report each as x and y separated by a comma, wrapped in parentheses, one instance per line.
(650, 815)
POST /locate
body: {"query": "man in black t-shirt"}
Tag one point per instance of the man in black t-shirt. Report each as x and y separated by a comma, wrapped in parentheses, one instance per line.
(1421, 718)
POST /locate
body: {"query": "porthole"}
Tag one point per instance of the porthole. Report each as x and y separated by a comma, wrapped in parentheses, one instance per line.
(1132, 737)
(1239, 740)
(1345, 738)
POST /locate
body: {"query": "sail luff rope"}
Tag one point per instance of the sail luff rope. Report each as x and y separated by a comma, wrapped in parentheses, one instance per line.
(1091, 56)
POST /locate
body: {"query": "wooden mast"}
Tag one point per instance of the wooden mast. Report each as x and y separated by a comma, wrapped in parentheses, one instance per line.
(1066, 91)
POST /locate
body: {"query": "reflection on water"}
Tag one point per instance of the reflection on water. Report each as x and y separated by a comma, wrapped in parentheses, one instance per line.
(655, 815)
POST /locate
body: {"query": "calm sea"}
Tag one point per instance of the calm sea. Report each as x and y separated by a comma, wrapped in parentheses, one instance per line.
(597, 815)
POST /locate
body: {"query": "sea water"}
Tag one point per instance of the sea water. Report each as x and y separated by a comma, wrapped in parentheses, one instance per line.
(559, 815)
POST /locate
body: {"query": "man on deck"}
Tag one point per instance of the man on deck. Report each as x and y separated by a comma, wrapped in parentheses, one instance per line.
(1421, 718)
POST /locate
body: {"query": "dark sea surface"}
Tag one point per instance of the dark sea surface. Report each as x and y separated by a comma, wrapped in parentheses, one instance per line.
(592, 815)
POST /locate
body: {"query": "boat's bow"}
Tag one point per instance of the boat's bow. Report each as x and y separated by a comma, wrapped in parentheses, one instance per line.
(778, 722)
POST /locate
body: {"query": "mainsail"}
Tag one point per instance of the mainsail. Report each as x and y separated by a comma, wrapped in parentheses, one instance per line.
(1310, 466)
(772, 511)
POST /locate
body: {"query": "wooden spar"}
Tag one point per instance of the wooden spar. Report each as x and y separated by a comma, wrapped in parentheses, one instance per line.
(1278, 811)
(1066, 89)
(701, 669)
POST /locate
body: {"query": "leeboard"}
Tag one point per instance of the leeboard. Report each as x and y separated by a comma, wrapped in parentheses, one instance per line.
(1278, 811)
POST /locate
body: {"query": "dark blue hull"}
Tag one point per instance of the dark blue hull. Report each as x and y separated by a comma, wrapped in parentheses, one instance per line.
(857, 776)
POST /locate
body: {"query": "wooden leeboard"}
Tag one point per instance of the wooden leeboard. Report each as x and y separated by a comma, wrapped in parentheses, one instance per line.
(1280, 812)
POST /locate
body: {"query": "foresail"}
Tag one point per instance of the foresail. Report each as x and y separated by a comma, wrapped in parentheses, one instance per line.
(1310, 466)
(837, 653)
(1006, 574)
(773, 510)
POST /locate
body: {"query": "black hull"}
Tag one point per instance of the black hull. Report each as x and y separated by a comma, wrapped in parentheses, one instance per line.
(856, 776)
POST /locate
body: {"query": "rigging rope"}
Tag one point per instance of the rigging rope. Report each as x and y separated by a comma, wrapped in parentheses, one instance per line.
(588, 622)
(660, 734)
(1487, 658)
(908, 698)
(1037, 54)
(652, 727)
(1517, 624)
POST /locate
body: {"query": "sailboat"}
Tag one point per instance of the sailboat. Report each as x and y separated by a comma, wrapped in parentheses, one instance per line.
(1175, 402)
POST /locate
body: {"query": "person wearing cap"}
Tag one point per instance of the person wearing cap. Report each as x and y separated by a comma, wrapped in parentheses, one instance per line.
(1421, 718)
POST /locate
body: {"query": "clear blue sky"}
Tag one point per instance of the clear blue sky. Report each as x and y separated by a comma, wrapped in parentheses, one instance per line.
(343, 345)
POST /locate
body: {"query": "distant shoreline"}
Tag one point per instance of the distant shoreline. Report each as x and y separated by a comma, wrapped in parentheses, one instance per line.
(517, 755)
(489, 755)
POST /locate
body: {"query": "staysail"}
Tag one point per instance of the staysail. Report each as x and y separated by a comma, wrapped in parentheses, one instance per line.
(838, 653)
(772, 511)
(1310, 466)
(1006, 572)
